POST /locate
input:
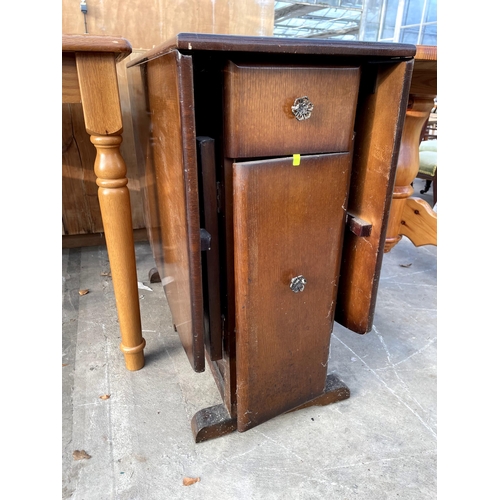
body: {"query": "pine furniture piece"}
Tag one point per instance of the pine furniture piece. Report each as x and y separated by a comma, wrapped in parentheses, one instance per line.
(413, 217)
(89, 77)
(269, 166)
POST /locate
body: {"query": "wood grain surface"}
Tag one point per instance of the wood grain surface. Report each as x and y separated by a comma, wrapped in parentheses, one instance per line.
(379, 123)
(70, 86)
(271, 45)
(419, 222)
(119, 46)
(177, 240)
(288, 221)
(81, 212)
(148, 24)
(79, 216)
(258, 114)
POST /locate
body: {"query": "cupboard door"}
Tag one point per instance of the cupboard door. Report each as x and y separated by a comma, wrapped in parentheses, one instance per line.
(288, 223)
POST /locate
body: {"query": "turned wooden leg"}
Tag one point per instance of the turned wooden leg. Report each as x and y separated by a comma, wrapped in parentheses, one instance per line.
(417, 113)
(114, 200)
(103, 121)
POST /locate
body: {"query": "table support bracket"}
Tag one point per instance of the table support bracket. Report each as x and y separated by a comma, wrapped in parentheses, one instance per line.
(215, 421)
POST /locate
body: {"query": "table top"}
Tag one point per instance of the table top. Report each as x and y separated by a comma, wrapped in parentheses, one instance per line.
(426, 53)
(424, 78)
(97, 43)
(276, 45)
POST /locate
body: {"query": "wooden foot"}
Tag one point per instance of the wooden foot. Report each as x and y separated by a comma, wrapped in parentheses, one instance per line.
(212, 422)
(154, 276)
(419, 222)
(215, 421)
(335, 390)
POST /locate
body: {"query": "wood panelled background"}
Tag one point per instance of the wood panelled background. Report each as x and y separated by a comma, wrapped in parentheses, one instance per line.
(144, 24)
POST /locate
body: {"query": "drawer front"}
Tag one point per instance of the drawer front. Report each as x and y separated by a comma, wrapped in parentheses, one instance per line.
(259, 119)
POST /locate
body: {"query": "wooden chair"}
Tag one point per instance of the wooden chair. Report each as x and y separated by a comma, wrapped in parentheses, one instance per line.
(427, 168)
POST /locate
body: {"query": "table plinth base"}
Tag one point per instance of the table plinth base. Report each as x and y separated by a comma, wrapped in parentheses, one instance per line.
(216, 421)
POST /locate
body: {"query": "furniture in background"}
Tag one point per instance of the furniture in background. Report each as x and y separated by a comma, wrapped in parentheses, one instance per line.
(268, 172)
(429, 130)
(89, 77)
(427, 168)
(82, 223)
(409, 216)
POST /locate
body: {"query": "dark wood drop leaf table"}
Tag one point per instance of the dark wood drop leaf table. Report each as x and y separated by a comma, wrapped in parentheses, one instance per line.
(269, 166)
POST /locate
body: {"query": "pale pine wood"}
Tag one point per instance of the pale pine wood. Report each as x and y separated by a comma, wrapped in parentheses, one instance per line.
(70, 86)
(416, 115)
(423, 90)
(114, 200)
(118, 46)
(419, 222)
(424, 78)
(81, 213)
(102, 117)
(99, 89)
(164, 18)
(80, 208)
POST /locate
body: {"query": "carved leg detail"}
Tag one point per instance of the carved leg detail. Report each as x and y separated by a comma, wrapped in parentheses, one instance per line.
(417, 113)
(419, 222)
(114, 200)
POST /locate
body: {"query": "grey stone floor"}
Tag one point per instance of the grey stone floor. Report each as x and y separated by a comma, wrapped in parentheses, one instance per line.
(379, 444)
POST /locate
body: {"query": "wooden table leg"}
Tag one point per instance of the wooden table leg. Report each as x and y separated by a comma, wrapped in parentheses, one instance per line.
(114, 200)
(103, 121)
(417, 113)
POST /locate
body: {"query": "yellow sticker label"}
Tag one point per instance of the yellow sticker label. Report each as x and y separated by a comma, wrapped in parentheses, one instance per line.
(296, 160)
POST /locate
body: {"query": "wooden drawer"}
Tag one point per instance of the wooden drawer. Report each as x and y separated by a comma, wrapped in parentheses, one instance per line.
(259, 120)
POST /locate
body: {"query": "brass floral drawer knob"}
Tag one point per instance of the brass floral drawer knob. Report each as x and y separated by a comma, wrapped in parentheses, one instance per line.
(302, 108)
(298, 284)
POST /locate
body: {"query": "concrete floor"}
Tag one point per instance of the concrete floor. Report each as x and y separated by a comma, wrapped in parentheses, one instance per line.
(379, 444)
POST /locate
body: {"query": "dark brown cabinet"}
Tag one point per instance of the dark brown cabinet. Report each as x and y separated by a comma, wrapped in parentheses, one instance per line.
(268, 173)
